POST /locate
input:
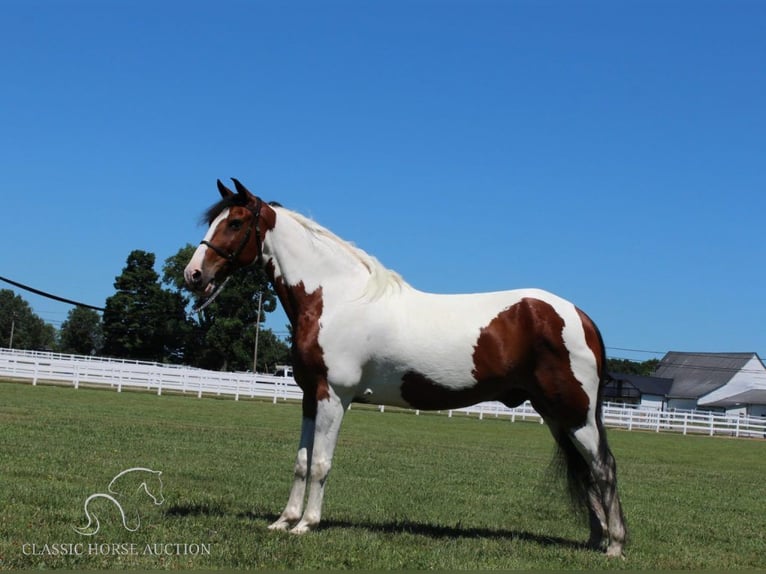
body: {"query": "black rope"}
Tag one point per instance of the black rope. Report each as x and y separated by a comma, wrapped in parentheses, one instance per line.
(50, 296)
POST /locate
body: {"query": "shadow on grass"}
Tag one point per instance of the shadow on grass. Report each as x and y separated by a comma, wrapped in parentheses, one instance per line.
(204, 509)
(391, 527)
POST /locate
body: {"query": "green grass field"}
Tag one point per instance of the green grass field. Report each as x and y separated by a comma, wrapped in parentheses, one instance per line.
(406, 492)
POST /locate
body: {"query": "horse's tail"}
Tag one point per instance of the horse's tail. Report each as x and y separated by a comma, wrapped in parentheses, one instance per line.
(570, 462)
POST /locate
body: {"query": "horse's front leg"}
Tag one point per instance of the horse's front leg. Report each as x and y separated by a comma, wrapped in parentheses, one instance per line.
(292, 512)
(329, 416)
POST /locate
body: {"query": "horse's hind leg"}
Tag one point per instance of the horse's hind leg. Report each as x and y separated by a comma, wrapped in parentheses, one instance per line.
(582, 486)
(599, 529)
(590, 441)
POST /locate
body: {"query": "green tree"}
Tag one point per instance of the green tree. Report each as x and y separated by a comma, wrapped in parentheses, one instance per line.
(20, 327)
(141, 320)
(629, 367)
(272, 351)
(223, 334)
(81, 333)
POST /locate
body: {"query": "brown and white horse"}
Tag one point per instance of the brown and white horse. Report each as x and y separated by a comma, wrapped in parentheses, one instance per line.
(361, 333)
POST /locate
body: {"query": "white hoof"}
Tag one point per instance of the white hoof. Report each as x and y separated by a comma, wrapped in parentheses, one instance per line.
(302, 528)
(615, 551)
(280, 524)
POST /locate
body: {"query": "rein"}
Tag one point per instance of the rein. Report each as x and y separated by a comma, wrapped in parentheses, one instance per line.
(231, 258)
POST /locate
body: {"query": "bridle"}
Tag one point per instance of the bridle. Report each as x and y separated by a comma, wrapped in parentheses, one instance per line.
(232, 257)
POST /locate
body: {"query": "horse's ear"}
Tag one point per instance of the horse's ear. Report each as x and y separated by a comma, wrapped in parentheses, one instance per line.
(223, 190)
(241, 189)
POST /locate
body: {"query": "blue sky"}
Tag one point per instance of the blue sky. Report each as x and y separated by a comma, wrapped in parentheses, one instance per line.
(611, 152)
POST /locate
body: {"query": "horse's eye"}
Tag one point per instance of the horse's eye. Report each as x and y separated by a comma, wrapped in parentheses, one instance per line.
(235, 224)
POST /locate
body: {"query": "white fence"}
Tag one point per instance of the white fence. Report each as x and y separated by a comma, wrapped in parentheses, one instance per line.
(155, 377)
(620, 416)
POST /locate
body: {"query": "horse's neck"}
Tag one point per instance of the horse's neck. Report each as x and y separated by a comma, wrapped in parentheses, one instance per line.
(302, 257)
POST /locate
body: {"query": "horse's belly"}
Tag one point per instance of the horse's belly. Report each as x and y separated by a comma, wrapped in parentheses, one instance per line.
(381, 388)
(410, 387)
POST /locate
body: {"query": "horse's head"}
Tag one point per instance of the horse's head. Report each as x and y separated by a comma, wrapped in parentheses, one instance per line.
(238, 224)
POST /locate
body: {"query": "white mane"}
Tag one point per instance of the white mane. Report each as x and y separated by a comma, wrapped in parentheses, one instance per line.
(381, 278)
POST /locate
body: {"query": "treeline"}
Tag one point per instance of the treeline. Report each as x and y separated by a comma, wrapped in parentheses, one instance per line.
(628, 367)
(148, 319)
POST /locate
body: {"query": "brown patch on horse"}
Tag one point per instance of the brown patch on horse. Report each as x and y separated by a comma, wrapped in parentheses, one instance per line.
(304, 310)
(282, 291)
(501, 368)
(505, 346)
(227, 240)
(558, 393)
(519, 355)
(267, 219)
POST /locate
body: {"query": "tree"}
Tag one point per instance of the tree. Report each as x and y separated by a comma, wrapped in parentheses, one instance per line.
(20, 327)
(272, 351)
(223, 334)
(629, 367)
(141, 320)
(81, 333)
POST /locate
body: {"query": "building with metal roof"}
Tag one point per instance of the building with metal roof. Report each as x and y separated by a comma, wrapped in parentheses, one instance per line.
(735, 382)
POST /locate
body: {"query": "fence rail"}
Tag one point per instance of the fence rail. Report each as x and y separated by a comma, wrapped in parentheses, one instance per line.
(156, 377)
(120, 374)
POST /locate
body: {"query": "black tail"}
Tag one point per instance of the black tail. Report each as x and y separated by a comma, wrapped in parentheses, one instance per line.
(569, 461)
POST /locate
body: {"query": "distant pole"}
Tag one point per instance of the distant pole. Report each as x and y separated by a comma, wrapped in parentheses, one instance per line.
(13, 326)
(257, 330)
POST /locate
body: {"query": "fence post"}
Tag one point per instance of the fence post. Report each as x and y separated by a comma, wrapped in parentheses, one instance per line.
(686, 422)
(710, 422)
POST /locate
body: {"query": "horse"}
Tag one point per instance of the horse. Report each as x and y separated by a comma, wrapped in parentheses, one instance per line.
(126, 485)
(362, 334)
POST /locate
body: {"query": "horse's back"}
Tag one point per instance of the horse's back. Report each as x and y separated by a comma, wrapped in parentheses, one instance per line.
(432, 351)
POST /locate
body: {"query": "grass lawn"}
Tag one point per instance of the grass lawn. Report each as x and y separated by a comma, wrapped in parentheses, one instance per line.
(406, 491)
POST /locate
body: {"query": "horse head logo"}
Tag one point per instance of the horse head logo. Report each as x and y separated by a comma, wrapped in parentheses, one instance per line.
(125, 491)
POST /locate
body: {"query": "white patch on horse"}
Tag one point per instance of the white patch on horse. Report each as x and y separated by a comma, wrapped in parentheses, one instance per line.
(583, 362)
(197, 260)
